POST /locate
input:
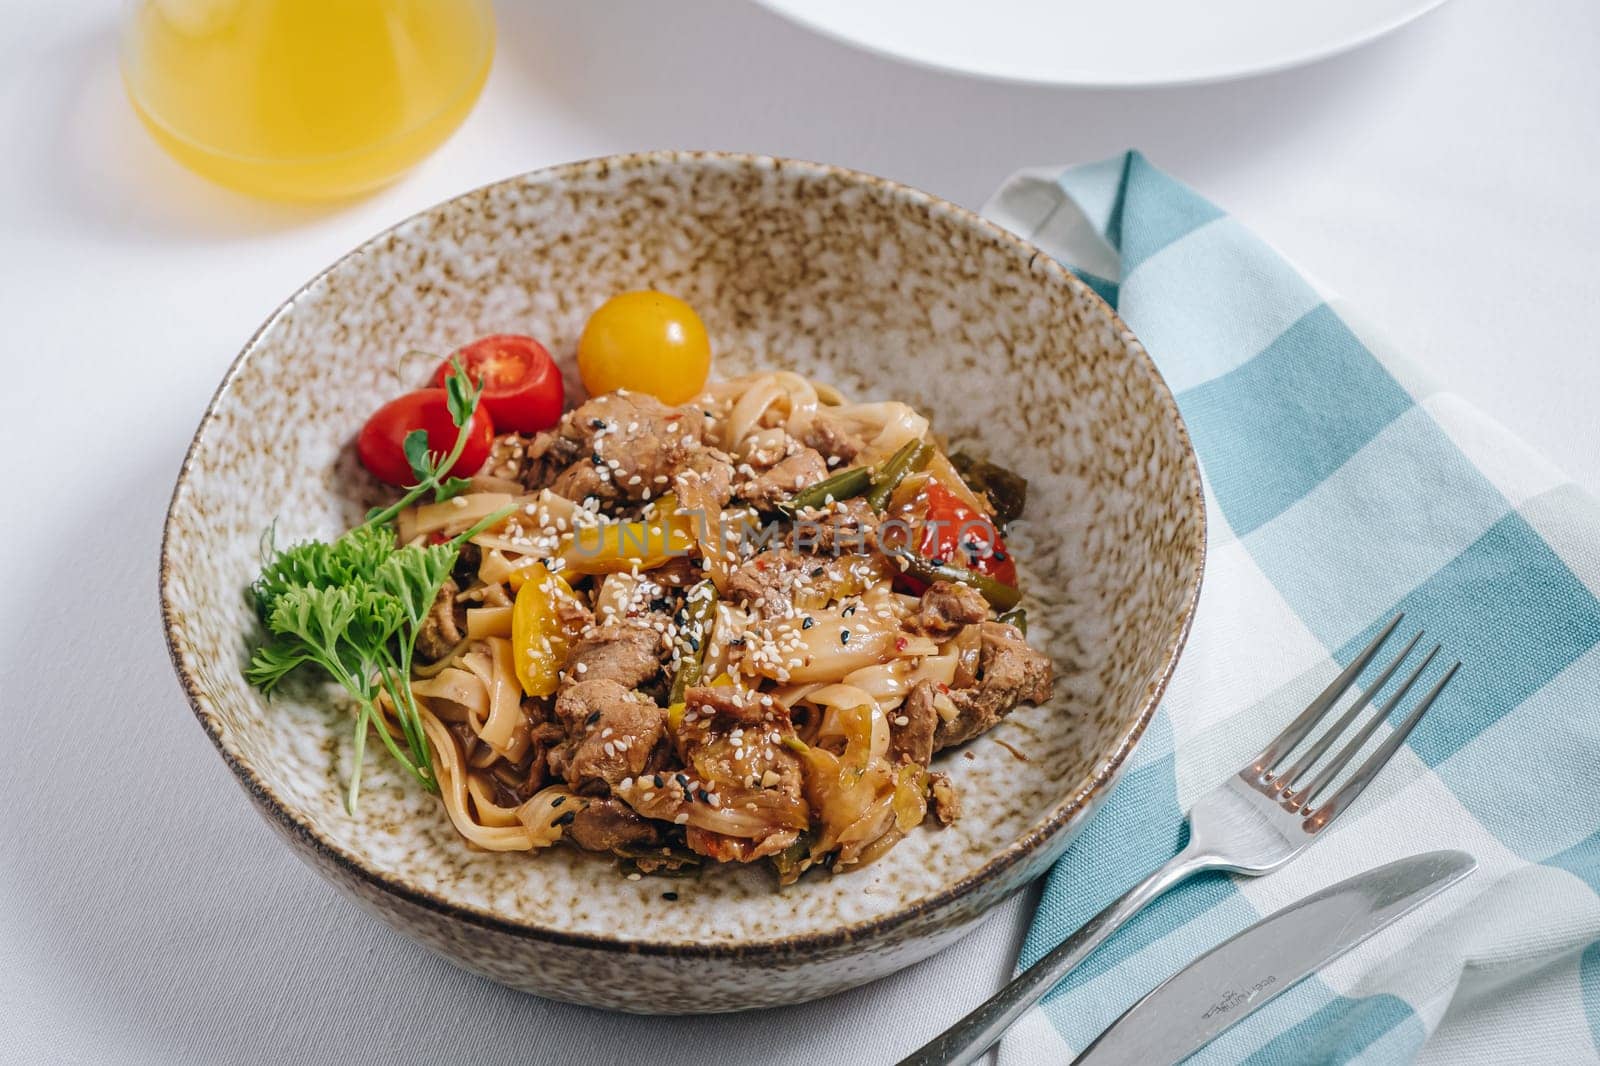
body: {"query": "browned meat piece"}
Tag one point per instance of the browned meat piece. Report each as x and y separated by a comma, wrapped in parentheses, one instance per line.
(946, 801)
(762, 449)
(577, 706)
(573, 615)
(542, 737)
(677, 573)
(584, 479)
(535, 461)
(780, 582)
(705, 483)
(727, 737)
(608, 824)
(508, 456)
(1009, 673)
(627, 654)
(441, 630)
(912, 726)
(845, 526)
(725, 704)
(612, 734)
(767, 582)
(830, 435)
(788, 476)
(516, 783)
(623, 445)
(945, 608)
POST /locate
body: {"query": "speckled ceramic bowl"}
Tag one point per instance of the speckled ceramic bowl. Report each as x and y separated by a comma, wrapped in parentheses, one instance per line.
(880, 289)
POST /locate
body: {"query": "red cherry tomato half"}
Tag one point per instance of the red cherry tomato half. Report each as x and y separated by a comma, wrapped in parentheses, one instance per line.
(521, 385)
(381, 444)
(953, 532)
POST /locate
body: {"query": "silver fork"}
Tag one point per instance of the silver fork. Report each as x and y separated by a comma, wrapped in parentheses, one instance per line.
(1251, 824)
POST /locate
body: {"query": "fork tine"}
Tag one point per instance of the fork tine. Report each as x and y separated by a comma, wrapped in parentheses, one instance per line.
(1296, 730)
(1378, 759)
(1287, 779)
(1332, 770)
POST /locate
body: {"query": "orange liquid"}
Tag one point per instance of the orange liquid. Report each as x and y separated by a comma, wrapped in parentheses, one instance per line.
(305, 99)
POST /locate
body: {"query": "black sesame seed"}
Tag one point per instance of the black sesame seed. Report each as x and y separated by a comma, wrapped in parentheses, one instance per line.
(660, 781)
(808, 623)
(818, 571)
(736, 642)
(660, 603)
(596, 460)
(670, 897)
(705, 797)
(558, 801)
(565, 819)
(844, 636)
(592, 719)
(849, 611)
(597, 423)
(683, 782)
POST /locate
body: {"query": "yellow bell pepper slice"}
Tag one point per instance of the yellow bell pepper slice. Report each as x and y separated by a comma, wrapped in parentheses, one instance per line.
(538, 640)
(619, 547)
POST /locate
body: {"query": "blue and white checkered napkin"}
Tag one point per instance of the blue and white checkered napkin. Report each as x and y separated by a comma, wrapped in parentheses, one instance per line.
(1341, 486)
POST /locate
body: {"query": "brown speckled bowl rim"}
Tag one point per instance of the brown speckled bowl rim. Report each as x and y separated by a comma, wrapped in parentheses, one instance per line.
(1106, 774)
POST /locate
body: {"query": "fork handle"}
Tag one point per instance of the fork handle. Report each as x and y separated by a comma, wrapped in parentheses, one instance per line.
(969, 1038)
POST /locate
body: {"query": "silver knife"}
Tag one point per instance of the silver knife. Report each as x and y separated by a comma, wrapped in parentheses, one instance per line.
(1248, 971)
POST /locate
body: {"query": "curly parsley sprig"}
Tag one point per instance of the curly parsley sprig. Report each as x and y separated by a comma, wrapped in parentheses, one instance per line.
(353, 607)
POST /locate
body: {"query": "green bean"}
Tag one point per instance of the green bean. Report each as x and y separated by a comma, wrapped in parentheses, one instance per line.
(1001, 596)
(841, 486)
(911, 457)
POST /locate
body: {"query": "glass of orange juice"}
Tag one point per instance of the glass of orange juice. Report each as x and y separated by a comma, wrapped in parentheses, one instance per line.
(305, 99)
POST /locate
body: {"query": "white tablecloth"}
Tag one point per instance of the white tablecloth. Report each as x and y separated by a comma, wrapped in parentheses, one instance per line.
(1443, 180)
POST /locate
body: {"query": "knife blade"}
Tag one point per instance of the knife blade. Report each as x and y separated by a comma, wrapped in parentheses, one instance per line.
(1249, 970)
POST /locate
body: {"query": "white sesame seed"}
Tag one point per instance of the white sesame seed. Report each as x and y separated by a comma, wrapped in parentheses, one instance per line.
(680, 819)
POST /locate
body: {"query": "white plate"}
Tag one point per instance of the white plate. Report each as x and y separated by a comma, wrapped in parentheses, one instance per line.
(1105, 42)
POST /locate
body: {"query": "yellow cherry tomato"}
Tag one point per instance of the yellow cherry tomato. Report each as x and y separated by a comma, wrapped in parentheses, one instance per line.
(645, 341)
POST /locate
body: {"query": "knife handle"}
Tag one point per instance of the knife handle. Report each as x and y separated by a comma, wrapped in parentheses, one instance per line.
(969, 1038)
